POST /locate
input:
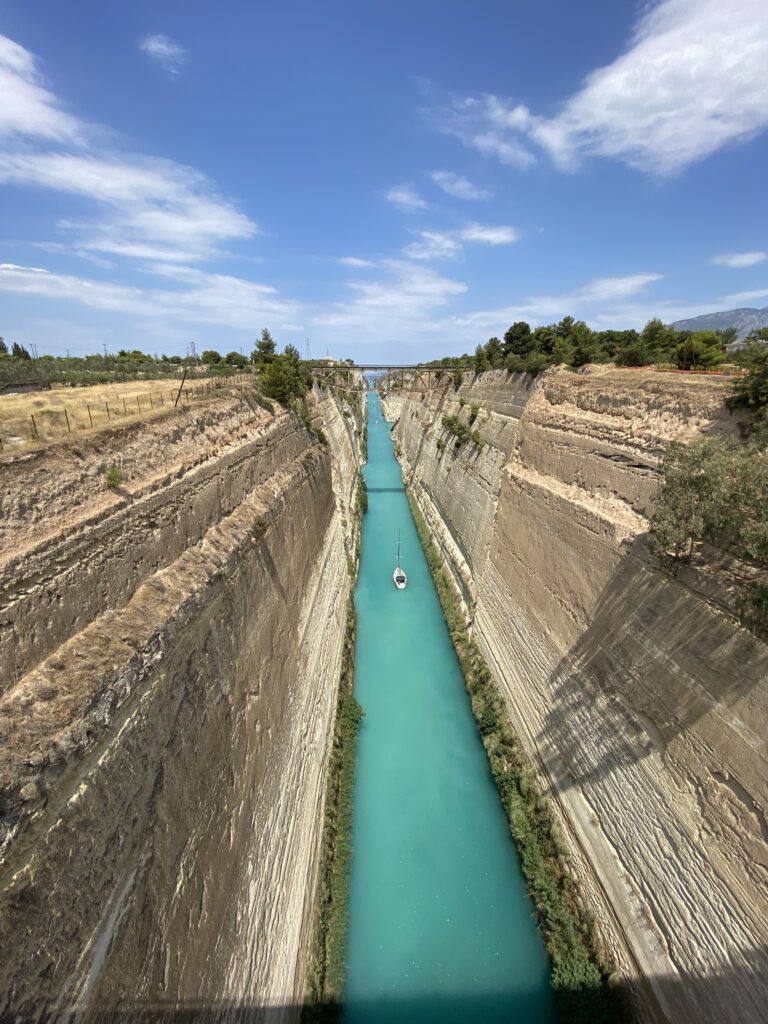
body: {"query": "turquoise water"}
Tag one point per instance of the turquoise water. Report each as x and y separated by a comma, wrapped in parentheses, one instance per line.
(441, 927)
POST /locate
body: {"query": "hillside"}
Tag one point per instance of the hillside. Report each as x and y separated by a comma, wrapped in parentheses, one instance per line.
(744, 320)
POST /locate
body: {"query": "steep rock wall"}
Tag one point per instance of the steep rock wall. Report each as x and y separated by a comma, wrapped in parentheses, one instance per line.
(163, 758)
(639, 697)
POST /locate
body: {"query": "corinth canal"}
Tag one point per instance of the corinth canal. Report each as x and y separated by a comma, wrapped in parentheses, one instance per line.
(441, 927)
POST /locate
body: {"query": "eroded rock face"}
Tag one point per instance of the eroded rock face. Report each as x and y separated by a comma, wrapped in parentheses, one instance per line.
(641, 700)
(165, 737)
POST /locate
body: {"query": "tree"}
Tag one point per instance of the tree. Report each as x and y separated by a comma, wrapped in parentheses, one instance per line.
(659, 340)
(586, 348)
(210, 357)
(19, 351)
(728, 335)
(636, 354)
(704, 349)
(292, 353)
(614, 343)
(480, 361)
(265, 348)
(235, 359)
(280, 380)
(3, 347)
(493, 353)
(562, 352)
(751, 391)
(517, 339)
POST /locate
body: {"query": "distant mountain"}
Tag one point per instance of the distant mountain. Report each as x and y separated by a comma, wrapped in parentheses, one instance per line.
(744, 320)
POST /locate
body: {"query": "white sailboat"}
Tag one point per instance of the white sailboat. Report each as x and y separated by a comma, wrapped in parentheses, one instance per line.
(399, 574)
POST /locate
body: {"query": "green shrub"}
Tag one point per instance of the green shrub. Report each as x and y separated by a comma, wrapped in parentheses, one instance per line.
(113, 477)
(751, 392)
(362, 495)
(459, 430)
(473, 411)
(716, 491)
(702, 350)
(477, 439)
(327, 967)
(264, 402)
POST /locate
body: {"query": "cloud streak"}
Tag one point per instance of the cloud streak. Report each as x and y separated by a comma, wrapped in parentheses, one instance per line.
(169, 55)
(28, 108)
(691, 81)
(740, 259)
(405, 198)
(202, 298)
(458, 187)
(145, 208)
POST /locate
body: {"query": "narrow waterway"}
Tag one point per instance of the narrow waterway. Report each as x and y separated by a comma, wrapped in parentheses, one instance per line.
(441, 927)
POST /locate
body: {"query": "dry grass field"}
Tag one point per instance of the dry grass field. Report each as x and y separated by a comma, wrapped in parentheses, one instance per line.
(36, 417)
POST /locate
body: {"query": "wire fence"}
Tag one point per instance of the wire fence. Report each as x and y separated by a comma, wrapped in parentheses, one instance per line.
(52, 415)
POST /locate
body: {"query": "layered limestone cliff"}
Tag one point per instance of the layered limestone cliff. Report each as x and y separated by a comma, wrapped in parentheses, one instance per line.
(171, 654)
(642, 702)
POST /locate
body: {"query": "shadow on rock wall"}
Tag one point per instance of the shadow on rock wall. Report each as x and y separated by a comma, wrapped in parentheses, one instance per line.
(654, 661)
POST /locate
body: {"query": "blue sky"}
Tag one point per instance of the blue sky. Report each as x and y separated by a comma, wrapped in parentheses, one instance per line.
(389, 180)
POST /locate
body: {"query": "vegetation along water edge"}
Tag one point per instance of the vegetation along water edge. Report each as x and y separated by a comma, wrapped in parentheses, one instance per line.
(581, 970)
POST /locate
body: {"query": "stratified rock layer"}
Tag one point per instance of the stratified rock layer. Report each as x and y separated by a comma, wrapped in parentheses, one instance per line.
(639, 697)
(166, 718)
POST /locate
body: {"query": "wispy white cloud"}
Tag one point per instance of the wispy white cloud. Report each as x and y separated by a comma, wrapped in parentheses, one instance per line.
(144, 207)
(740, 259)
(586, 301)
(203, 297)
(405, 198)
(736, 298)
(444, 245)
(27, 107)
(354, 261)
(433, 245)
(401, 299)
(458, 187)
(691, 81)
(489, 234)
(168, 54)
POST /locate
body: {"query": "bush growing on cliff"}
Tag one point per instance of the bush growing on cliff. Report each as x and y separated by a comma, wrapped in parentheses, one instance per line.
(282, 379)
(113, 477)
(459, 430)
(326, 975)
(362, 495)
(715, 491)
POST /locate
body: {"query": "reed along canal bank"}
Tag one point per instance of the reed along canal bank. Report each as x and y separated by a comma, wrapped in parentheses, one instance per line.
(440, 924)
